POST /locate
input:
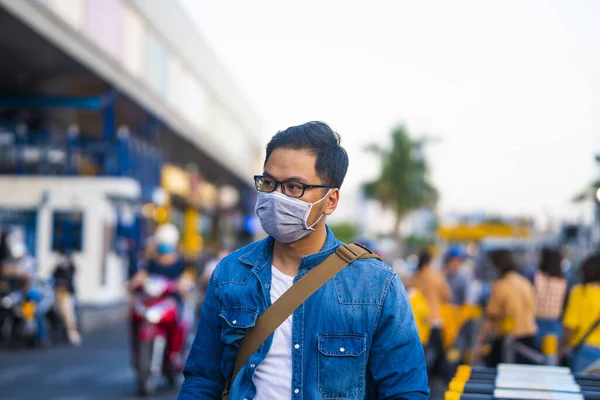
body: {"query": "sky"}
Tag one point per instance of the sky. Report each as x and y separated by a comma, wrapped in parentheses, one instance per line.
(511, 89)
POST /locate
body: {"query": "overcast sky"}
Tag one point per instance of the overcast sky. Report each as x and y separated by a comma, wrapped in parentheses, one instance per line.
(511, 88)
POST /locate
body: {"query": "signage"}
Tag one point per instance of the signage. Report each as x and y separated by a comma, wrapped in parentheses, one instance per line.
(175, 181)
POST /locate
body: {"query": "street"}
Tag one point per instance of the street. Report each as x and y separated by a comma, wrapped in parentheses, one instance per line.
(99, 369)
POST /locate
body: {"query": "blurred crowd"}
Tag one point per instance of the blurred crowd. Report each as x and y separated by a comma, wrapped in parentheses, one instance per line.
(465, 319)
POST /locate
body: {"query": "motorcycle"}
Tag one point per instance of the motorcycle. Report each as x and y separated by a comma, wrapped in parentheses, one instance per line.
(40, 296)
(19, 323)
(27, 314)
(157, 315)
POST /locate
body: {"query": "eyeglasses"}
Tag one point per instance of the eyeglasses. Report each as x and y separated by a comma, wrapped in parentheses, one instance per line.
(289, 188)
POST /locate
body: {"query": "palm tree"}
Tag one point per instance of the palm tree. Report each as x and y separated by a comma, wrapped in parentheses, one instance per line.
(587, 193)
(403, 184)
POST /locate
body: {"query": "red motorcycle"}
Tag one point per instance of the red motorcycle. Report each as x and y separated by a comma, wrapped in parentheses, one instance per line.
(158, 332)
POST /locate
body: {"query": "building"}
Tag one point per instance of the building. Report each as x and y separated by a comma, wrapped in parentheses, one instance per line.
(115, 115)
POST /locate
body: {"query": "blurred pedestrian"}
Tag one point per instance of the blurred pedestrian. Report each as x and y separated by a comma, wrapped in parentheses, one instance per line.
(513, 298)
(64, 286)
(168, 263)
(21, 267)
(436, 291)
(550, 288)
(458, 279)
(582, 317)
(133, 257)
(420, 308)
(465, 291)
(4, 248)
(5, 283)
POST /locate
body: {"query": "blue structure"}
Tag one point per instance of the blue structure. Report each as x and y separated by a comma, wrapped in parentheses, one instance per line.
(114, 153)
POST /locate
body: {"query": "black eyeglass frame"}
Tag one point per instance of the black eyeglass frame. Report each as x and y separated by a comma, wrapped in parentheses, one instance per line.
(305, 186)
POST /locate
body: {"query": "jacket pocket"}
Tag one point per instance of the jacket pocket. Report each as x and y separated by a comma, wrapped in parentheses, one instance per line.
(237, 321)
(341, 365)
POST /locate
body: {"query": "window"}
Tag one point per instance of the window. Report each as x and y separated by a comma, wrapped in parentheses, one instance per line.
(104, 24)
(67, 228)
(135, 31)
(157, 65)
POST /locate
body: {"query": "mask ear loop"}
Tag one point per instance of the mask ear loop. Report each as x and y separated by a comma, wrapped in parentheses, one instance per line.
(305, 221)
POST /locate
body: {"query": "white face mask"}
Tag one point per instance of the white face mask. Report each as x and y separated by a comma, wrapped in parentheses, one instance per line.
(285, 218)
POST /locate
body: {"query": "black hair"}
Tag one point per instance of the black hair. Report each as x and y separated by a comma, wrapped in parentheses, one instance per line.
(319, 139)
(424, 259)
(503, 260)
(551, 262)
(590, 269)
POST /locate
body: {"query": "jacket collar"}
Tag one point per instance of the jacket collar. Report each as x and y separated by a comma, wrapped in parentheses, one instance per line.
(261, 253)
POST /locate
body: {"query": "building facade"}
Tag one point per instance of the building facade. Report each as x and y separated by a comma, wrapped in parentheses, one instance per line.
(126, 118)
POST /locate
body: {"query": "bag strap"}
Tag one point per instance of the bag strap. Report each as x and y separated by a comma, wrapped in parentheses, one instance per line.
(289, 301)
(587, 334)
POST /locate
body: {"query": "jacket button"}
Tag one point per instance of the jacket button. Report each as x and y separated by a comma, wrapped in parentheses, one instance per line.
(342, 349)
(296, 391)
(252, 365)
(234, 322)
(296, 346)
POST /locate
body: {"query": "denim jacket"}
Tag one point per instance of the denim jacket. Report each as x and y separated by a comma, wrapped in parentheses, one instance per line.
(355, 338)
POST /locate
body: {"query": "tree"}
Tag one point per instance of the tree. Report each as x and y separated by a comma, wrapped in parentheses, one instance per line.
(587, 193)
(403, 183)
(590, 191)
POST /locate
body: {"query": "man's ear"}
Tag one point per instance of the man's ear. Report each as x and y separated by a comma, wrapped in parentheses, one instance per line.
(331, 201)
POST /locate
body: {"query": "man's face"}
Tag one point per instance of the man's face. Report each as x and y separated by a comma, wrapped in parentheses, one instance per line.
(454, 264)
(299, 165)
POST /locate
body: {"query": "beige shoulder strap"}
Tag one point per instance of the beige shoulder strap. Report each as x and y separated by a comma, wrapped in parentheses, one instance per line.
(279, 311)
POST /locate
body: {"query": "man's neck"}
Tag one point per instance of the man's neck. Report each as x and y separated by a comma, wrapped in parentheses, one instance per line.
(287, 256)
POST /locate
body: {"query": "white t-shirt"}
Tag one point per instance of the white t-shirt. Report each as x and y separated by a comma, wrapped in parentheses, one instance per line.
(273, 377)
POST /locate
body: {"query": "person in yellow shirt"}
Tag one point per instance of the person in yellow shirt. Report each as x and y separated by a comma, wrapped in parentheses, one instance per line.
(420, 308)
(432, 284)
(581, 314)
(512, 297)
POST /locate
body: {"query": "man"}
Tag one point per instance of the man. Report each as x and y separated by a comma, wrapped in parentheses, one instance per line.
(512, 298)
(354, 338)
(458, 280)
(169, 264)
(465, 291)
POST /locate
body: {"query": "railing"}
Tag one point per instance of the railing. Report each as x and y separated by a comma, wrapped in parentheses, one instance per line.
(514, 381)
(42, 154)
